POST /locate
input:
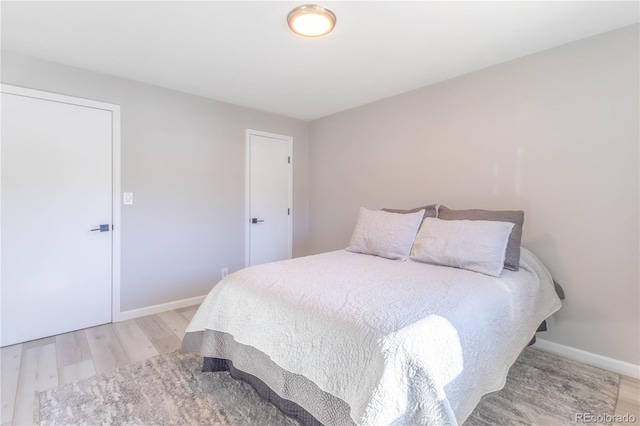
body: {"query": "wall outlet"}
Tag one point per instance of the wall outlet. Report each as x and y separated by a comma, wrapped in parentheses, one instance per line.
(225, 272)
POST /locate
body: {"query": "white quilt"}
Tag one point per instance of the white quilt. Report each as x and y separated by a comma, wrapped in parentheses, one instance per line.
(403, 343)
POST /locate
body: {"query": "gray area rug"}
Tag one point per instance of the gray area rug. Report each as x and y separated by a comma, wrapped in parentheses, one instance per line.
(169, 389)
(546, 389)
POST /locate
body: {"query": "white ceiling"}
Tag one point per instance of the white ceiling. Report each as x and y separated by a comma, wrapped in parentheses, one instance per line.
(243, 52)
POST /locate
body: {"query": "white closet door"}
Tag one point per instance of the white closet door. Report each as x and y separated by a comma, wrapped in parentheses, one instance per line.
(56, 188)
(270, 198)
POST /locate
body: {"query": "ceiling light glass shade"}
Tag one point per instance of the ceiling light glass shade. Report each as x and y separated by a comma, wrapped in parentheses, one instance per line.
(311, 20)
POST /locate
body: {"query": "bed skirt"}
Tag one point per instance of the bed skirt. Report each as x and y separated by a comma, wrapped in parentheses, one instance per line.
(294, 394)
(289, 408)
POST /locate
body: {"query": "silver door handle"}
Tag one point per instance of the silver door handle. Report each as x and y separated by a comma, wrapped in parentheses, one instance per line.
(102, 228)
(256, 220)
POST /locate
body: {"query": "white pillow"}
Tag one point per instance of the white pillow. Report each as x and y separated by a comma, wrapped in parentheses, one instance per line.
(476, 245)
(385, 234)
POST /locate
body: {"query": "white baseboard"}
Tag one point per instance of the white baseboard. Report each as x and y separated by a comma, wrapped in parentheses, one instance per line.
(620, 367)
(155, 309)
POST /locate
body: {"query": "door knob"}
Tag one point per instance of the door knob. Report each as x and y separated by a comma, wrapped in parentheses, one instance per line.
(102, 228)
(256, 220)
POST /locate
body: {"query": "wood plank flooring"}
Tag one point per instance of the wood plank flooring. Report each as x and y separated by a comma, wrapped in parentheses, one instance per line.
(628, 400)
(43, 364)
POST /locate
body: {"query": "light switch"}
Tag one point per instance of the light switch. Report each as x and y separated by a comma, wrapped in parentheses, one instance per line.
(127, 198)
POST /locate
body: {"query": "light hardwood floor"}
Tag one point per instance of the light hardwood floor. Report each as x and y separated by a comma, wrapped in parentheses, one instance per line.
(628, 399)
(43, 364)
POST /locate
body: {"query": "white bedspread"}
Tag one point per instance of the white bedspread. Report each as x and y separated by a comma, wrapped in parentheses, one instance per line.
(400, 342)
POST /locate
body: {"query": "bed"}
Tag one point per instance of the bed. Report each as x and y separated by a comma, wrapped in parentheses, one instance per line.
(347, 338)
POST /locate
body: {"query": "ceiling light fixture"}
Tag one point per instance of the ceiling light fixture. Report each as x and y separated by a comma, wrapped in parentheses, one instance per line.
(311, 20)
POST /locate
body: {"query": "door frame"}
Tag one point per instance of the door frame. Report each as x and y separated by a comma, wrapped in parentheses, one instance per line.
(247, 191)
(115, 176)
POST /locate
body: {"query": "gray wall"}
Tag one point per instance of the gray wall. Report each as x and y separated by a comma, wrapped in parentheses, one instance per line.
(183, 158)
(554, 134)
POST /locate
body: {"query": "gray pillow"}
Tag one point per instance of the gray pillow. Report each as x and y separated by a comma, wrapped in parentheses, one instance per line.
(429, 211)
(512, 256)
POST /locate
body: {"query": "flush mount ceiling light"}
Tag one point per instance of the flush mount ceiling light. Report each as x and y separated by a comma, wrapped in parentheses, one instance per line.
(311, 20)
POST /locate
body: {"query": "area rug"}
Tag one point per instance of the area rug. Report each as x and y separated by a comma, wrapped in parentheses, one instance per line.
(169, 389)
(544, 389)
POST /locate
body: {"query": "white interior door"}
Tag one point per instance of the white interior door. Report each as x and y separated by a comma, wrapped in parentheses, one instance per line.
(269, 177)
(56, 188)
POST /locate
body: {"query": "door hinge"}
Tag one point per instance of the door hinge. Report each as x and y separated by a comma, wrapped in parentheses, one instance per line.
(288, 212)
(289, 160)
